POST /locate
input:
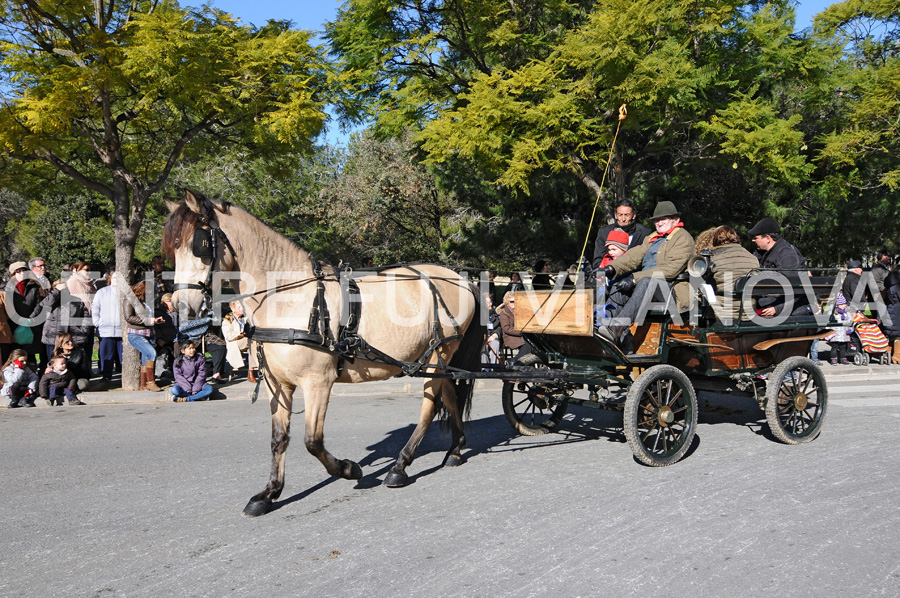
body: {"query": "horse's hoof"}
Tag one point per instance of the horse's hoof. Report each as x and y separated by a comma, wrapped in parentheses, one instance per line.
(255, 508)
(352, 471)
(396, 479)
(454, 461)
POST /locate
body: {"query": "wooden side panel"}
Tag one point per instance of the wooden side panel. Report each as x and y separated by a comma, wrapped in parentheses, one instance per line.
(647, 337)
(721, 358)
(569, 311)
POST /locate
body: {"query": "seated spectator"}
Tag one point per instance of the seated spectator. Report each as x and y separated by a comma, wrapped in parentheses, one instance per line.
(58, 382)
(19, 381)
(664, 254)
(140, 334)
(78, 362)
(236, 342)
(215, 346)
(107, 321)
(512, 338)
(490, 353)
(190, 375)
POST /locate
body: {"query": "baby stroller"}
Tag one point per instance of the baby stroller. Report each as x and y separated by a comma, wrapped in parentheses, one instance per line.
(869, 345)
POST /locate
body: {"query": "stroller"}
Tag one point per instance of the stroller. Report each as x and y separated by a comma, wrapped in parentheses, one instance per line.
(868, 342)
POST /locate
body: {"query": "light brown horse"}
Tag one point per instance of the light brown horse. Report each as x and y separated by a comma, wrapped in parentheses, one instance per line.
(403, 311)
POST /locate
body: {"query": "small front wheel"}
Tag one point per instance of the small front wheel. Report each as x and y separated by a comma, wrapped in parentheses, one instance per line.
(860, 358)
(796, 400)
(532, 408)
(660, 415)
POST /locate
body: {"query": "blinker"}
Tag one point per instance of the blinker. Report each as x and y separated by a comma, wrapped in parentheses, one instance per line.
(202, 244)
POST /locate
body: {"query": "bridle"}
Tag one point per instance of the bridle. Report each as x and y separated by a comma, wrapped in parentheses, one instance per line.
(204, 245)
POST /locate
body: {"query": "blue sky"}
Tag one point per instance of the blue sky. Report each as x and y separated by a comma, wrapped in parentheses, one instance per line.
(312, 15)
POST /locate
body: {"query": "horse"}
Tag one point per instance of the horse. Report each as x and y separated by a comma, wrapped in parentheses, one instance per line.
(418, 319)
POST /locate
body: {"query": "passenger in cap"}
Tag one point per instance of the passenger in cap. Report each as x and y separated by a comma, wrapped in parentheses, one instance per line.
(775, 253)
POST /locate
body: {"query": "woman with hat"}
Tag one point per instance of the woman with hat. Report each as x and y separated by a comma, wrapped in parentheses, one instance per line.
(27, 295)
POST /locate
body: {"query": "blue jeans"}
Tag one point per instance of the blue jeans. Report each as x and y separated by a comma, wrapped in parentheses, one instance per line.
(143, 344)
(110, 346)
(204, 392)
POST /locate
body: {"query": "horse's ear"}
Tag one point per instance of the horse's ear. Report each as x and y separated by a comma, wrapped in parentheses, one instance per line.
(171, 205)
(193, 203)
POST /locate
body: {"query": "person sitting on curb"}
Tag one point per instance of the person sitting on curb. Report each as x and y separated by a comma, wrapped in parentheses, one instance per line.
(190, 375)
(665, 254)
(19, 382)
(59, 381)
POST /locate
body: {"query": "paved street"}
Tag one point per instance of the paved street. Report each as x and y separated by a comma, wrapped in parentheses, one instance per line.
(142, 498)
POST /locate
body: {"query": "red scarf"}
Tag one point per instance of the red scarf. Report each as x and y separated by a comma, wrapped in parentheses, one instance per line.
(656, 236)
(20, 286)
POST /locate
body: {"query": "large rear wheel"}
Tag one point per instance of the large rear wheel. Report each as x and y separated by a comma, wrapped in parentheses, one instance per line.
(796, 400)
(533, 408)
(660, 415)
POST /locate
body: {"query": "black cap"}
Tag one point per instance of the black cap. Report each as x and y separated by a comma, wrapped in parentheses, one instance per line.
(766, 226)
(853, 264)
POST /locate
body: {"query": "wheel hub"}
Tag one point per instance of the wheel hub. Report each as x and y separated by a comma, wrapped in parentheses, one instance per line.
(666, 416)
(801, 400)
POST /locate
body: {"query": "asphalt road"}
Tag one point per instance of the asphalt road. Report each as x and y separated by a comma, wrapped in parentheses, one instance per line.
(145, 499)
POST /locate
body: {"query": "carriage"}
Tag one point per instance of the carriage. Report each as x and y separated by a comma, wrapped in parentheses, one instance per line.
(314, 326)
(656, 387)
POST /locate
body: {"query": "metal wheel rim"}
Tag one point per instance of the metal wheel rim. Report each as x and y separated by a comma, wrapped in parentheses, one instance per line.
(666, 399)
(527, 411)
(799, 402)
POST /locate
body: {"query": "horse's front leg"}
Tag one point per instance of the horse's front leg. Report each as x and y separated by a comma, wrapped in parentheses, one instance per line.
(397, 476)
(280, 404)
(316, 396)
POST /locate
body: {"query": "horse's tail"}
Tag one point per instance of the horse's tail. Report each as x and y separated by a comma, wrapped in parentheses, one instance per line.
(468, 356)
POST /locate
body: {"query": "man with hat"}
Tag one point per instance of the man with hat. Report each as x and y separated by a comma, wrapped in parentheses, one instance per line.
(775, 253)
(625, 216)
(664, 254)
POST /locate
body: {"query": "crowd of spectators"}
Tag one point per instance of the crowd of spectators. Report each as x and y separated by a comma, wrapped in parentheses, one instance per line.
(59, 338)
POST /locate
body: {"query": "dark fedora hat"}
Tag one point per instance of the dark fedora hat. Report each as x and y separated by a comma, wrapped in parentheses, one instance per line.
(766, 226)
(665, 209)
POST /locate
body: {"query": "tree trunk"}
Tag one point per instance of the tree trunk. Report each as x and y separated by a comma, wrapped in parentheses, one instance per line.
(125, 243)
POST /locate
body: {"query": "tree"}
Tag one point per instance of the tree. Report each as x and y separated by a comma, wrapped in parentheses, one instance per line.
(112, 94)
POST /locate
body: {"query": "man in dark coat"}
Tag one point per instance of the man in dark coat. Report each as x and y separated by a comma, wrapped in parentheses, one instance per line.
(881, 268)
(774, 252)
(625, 219)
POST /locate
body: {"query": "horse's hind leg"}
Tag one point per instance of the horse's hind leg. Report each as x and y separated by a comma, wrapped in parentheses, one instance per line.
(397, 476)
(454, 418)
(316, 396)
(281, 405)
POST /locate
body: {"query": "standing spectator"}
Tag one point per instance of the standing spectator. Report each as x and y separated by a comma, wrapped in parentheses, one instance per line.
(167, 331)
(58, 382)
(139, 330)
(491, 351)
(39, 268)
(158, 267)
(19, 382)
(71, 317)
(541, 278)
(625, 216)
(774, 252)
(81, 286)
(27, 295)
(107, 320)
(236, 341)
(840, 340)
(77, 360)
(881, 269)
(7, 341)
(892, 298)
(190, 375)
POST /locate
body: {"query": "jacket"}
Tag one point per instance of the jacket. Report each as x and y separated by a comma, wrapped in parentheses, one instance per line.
(79, 363)
(24, 304)
(17, 376)
(640, 233)
(73, 320)
(236, 347)
(138, 317)
(105, 313)
(512, 338)
(190, 374)
(54, 378)
(892, 296)
(782, 256)
(6, 335)
(671, 260)
(729, 263)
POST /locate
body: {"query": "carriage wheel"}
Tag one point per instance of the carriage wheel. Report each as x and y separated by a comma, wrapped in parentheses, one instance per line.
(660, 415)
(533, 408)
(796, 400)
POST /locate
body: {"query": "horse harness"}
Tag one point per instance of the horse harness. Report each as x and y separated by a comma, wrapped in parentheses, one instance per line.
(348, 345)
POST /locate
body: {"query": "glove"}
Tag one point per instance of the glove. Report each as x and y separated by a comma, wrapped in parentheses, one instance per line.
(609, 271)
(18, 363)
(625, 285)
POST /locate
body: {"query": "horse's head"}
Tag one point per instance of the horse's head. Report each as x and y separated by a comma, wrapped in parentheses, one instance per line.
(194, 241)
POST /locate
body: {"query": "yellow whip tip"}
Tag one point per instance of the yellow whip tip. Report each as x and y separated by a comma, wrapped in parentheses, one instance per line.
(623, 112)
